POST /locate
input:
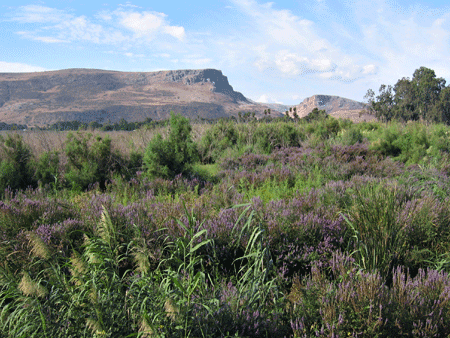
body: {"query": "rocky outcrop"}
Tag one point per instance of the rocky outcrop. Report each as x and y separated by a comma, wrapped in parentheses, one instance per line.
(100, 95)
(334, 105)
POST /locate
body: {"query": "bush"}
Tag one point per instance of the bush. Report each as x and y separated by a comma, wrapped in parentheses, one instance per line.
(352, 136)
(324, 128)
(216, 140)
(15, 165)
(46, 167)
(316, 115)
(169, 157)
(358, 304)
(90, 162)
(386, 143)
(268, 137)
(413, 143)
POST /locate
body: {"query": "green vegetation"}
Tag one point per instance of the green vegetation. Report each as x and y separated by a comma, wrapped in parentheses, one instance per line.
(169, 157)
(15, 163)
(90, 163)
(313, 227)
(424, 97)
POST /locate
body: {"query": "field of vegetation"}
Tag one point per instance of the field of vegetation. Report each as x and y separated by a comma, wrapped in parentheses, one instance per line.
(269, 228)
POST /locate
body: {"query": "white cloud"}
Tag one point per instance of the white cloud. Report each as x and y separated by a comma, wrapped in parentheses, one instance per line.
(132, 55)
(142, 24)
(148, 24)
(293, 64)
(125, 25)
(289, 63)
(39, 14)
(406, 39)
(128, 4)
(293, 45)
(49, 39)
(80, 28)
(263, 59)
(263, 99)
(370, 69)
(46, 39)
(267, 99)
(175, 31)
(104, 15)
(12, 67)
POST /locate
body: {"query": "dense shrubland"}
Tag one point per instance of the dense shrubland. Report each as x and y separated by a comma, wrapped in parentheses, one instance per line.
(265, 228)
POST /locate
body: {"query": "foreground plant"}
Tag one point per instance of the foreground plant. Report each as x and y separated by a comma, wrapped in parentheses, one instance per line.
(358, 304)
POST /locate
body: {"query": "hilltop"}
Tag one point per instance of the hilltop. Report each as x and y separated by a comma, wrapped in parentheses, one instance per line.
(335, 106)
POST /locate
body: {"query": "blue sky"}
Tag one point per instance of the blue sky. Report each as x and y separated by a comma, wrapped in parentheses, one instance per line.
(281, 51)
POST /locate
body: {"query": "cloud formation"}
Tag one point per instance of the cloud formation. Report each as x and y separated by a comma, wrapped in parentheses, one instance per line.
(293, 45)
(112, 27)
(13, 67)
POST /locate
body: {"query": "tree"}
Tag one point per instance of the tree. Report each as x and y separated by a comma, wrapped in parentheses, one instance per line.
(172, 156)
(383, 104)
(426, 90)
(405, 101)
(316, 115)
(16, 171)
(441, 110)
(413, 99)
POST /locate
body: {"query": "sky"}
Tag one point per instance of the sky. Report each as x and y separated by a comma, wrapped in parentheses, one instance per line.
(273, 52)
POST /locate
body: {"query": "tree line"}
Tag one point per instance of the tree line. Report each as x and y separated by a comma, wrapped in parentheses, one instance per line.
(422, 98)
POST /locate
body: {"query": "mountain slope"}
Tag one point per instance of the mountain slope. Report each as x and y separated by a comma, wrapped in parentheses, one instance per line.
(101, 95)
(335, 106)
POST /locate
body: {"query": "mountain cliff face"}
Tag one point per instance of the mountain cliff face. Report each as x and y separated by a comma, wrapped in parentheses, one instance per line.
(335, 106)
(99, 95)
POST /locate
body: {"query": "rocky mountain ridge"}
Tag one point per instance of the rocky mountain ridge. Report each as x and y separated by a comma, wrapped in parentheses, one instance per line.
(336, 106)
(86, 95)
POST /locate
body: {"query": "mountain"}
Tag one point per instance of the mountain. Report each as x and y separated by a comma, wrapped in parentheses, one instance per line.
(336, 106)
(41, 98)
(279, 107)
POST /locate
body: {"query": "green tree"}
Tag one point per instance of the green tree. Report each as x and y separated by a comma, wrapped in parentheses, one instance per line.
(405, 101)
(413, 99)
(441, 110)
(383, 105)
(426, 90)
(172, 156)
(90, 161)
(15, 163)
(316, 115)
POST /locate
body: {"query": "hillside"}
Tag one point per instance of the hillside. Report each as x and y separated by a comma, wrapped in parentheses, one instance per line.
(86, 95)
(335, 106)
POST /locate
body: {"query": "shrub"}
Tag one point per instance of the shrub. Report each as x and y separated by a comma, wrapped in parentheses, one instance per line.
(386, 143)
(316, 115)
(15, 164)
(268, 137)
(219, 137)
(352, 136)
(358, 304)
(89, 161)
(169, 157)
(47, 167)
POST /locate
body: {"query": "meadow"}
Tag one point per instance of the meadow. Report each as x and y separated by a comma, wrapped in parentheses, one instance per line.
(269, 228)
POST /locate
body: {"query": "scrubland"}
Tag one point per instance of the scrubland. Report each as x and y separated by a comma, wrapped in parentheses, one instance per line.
(270, 228)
